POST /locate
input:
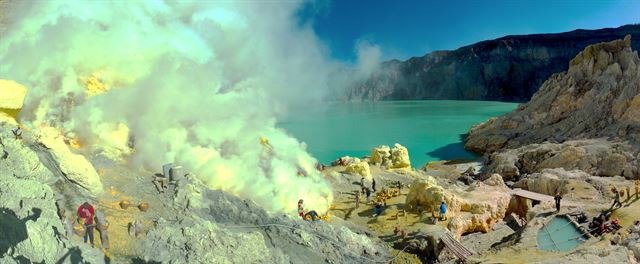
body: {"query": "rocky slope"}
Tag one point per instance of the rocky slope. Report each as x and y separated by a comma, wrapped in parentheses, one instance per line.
(192, 224)
(217, 227)
(471, 208)
(30, 230)
(586, 118)
(510, 68)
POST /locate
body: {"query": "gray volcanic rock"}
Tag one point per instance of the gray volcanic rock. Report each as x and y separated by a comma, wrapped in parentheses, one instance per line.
(510, 68)
(598, 97)
(612, 254)
(30, 230)
(216, 227)
(199, 226)
(594, 156)
(19, 160)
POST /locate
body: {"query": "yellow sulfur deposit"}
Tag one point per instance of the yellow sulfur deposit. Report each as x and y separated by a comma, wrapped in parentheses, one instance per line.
(12, 96)
(361, 168)
(94, 86)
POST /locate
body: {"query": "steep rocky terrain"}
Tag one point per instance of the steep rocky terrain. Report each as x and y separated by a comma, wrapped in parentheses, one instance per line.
(510, 68)
(586, 118)
(189, 224)
(577, 136)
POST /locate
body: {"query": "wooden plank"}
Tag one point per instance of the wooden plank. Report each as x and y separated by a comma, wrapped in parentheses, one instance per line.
(456, 243)
(455, 251)
(460, 246)
(460, 252)
(531, 195)
(455, 247)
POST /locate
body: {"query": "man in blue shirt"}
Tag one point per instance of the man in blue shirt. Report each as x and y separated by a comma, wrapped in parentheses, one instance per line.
(443, 211)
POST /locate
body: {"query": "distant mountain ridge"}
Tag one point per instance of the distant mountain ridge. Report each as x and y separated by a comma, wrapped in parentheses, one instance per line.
(509, 68)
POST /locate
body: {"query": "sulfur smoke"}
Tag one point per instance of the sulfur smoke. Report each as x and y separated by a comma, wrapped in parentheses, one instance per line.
(198, 84)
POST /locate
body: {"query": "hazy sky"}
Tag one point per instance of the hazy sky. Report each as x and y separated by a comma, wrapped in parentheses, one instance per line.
(403, 28)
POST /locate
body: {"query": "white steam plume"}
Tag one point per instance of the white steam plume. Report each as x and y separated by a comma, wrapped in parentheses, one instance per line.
(196, 83)
(369, 57)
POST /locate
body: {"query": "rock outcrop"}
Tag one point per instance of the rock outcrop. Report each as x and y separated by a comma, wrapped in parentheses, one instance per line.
(30, 230)
(221, 228)
(551, 181)
(597, 98)
(198, 225)
(510, 68)
(361, 168)
(75, 167)
(595, 156)
(400, 157)
(471, 209)
(391, 158)
(199, 241)
(12, 94)
(19, 160)
(632, 241)
(381, 155)
(612, 254)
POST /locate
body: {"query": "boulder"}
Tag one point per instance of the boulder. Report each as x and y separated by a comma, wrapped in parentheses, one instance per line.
(474, 209)
(380, 155)
(495, 180)
(75, 167)
(567, 158)
(426, 194)
(361, 168)
(568, 183)
(391, 158)
(504, 164)
(632, 242)
(400, 157)
(12, 95)
(612, 164)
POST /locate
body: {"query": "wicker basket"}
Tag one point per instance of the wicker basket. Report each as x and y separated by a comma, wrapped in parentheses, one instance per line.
(124, 204)
(143, 207)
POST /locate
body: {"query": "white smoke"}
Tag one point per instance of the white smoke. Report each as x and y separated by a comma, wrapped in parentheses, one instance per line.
(369, 57)
(197, 84)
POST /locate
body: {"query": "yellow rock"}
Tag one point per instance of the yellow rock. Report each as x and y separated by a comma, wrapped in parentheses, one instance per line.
(94, 86)
(474, 209)
(4, 117)
(12, 94)
(400, 157)
(380, 154)
(361, 168)
(395, 158)
(75, 167)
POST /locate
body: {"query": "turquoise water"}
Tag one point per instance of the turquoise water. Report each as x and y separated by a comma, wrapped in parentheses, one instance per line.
(558, 235)
(431, 130)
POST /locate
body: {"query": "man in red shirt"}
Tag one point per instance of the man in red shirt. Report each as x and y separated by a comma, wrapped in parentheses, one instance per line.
(300, 209)
(86, 212)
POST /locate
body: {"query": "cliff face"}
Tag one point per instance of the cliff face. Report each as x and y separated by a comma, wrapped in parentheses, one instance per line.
(510, 68)
(586, 118)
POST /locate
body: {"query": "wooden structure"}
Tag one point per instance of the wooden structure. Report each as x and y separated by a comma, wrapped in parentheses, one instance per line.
(455, 247)
(531, 195)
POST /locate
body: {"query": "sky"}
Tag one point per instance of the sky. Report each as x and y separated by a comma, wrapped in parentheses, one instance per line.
(402, 29)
